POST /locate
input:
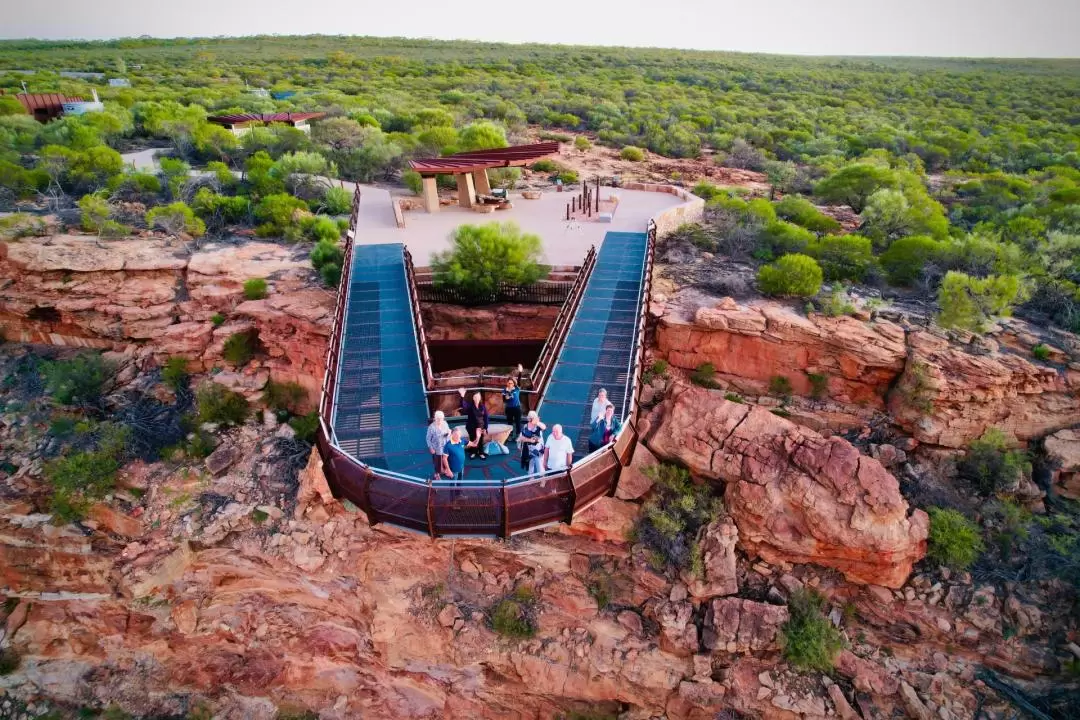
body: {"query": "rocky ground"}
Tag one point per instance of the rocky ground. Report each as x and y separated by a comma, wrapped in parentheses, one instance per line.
(235, 586)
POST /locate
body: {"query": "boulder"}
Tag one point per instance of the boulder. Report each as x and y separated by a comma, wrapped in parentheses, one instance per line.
(736, 625)
(1063, 454)
(678, 634)
(634, 482)
(795, 496)
(717, 547)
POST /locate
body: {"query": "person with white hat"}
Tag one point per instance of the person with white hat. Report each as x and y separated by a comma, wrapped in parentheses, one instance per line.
(531, 439)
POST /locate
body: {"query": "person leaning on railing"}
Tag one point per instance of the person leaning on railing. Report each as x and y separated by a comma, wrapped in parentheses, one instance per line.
(604, 429)
(438, 433)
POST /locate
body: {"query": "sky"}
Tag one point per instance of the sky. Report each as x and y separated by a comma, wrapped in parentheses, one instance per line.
(953, 28)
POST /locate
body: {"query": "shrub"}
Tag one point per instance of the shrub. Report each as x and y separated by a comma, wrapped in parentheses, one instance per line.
(218, 210)
(175, 372)
(631, 153)
(511, 618)
(693, 233)
(838, 304)
(284, 397)
(989, 465)
(842, 257)
(582, 143)
(330, 274)
(9, 661)
(780, 238)
(280, 214)
(78, 479)
(1041, 352)
(704, 375)
(819, 385)
(217, 319)
(414, 181)
(568, 177)
(780, 385)
(94, 212)
(218, 404)
(78, 381)
(504, 177)
(672, 517)
(809, 640)
(954, 540)
(176, 218)
(791, 275)
(240, 347)
(305, 426)
(200, 445)
(707, 191)
(906, 258)
(321, 229)
(733, 397)
(802, 212)
(971, 303)
(337, 201)
(544, 165)
(483, 257)
(254, 289)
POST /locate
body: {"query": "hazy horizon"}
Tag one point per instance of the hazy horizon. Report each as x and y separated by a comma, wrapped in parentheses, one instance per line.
(1045, 29)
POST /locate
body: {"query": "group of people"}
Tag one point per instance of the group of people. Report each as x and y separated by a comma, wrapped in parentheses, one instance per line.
(449, 448)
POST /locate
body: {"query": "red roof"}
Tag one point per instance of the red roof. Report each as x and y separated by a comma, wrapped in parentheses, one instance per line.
(484, 159)
(281, 117)
(53, 102)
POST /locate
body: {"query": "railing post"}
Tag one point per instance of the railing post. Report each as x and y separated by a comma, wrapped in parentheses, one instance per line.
(365, 496)
(430, 508)
(506, 511)
(618, 472)
(573, 496)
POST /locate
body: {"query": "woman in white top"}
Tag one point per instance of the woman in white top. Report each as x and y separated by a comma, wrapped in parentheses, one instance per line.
(598, 406)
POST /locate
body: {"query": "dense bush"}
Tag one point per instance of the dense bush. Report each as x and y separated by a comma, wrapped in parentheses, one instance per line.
(94, 211)
(544, 165)
(337, 201)
(327, 258)
(802, 212)
(255, 289)
(305, 426)
(241, 347)
(782, 238)
(78, 381)
(907, 258)
(990, 465)
(631, 153)
(972, 303)
(284, 396)
(854, 184)
(842, 257)
(281, 214)
(176, 218)
(80, 478)
(791, 275)
(513, 616)
(672, 517)
(483, 257)
(954, 540)
(218, 404)
(809, 640)
(175, 372)
(582, 143)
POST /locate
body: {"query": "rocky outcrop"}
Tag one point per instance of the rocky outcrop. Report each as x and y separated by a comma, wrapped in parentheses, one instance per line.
(158, 293)
(751, 344)
(950, 395)
(1063, 454)
(507, 321)
(735, 625)
(795, 495)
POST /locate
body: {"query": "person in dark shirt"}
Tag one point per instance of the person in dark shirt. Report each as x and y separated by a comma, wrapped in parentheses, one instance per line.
(476, 423)
(532, 444)
(455, 454)
(604, 429)
(511, 395)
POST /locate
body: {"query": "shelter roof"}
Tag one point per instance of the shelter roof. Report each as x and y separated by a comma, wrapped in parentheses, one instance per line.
(279, 117)
(52, 101)
(514, 156)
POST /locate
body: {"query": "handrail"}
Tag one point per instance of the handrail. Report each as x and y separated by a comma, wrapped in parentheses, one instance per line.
(418, 323)
(561, 327)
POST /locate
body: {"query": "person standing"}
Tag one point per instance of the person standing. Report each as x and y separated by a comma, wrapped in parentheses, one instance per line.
(476, 423)
(437, 434)
(604, 429)
(558, 450)
(455, 454)
(532, 444)
(598, 406)
(511, 395)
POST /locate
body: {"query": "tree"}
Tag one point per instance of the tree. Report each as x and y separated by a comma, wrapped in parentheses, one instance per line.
(258, 171)
(780, 237)
(338, 134)
(483, 257)
(337, 201)
(781, 175)
(481, 135)
(791, 275)
(214, 141)
(890, 214)
(854, 184)
(802, 212)
(176, 218)
(906, 258)
(743, 155)
(971, 303)
(10, 106)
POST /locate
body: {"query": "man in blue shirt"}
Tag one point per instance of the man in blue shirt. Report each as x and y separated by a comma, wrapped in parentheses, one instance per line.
(455, 454)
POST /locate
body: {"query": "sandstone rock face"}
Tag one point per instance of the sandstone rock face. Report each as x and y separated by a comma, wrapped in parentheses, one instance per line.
(948, 396)
(717, 546)
(507, 321)
(750, 344)
(795, 496)
(735, 625)
(147, 291)
(1063, 452)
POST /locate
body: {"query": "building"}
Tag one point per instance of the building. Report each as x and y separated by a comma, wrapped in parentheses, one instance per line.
(77, 75)
(78, 106)
(119, 82)
(242, 123)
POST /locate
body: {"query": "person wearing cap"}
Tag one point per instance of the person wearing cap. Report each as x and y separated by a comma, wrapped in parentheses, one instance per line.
(438, 433)
(531, 439)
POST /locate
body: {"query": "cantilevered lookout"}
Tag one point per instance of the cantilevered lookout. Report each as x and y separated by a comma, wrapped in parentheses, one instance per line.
(470, 170)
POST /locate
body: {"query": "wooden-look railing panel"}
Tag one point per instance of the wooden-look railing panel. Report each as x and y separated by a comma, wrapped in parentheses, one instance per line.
(537, 503)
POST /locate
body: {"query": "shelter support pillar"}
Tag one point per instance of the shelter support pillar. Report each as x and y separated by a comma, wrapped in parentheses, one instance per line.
(431, 195)
(481, 182)
(466, 193)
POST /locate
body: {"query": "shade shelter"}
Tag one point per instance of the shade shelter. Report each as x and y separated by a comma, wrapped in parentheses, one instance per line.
(243, 122)
(470, 170)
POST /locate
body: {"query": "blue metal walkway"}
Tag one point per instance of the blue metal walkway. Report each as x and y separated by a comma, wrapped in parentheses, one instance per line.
(381, 413)
(600, 346)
